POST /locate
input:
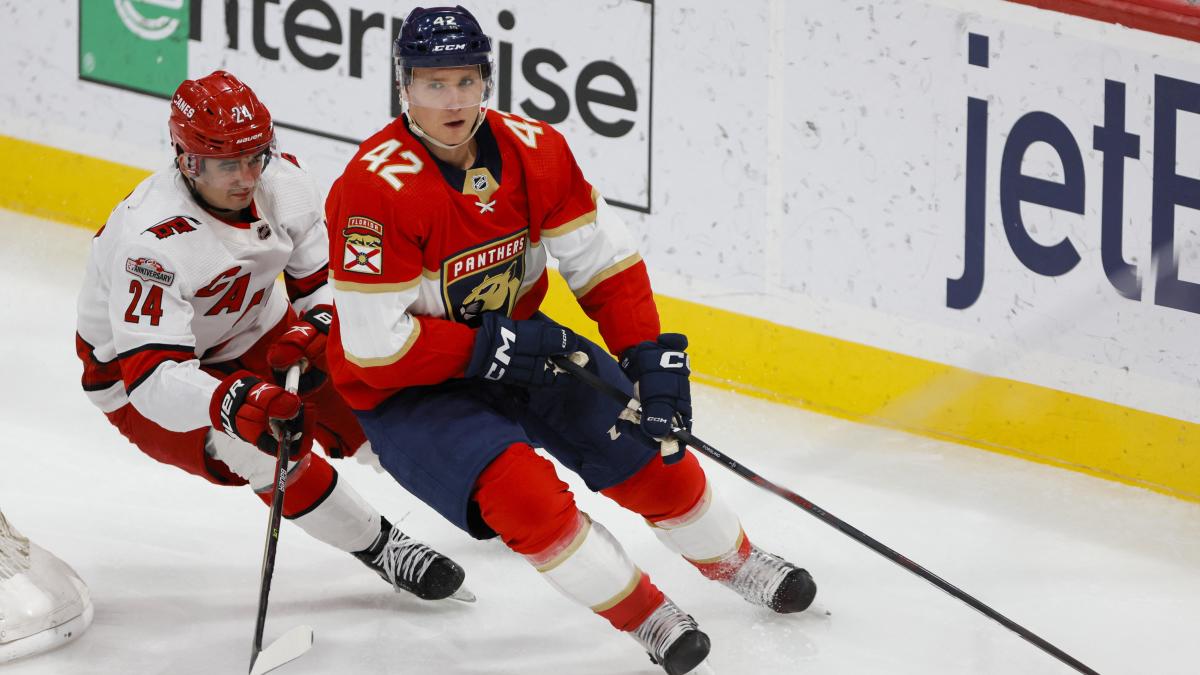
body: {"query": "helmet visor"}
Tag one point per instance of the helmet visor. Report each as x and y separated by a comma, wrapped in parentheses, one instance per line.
(447, 88)
(222, 167)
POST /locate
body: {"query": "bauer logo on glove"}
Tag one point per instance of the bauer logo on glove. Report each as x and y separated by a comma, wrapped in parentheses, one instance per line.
(259, 413)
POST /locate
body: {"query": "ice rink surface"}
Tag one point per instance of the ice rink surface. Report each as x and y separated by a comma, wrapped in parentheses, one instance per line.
(1107, 572)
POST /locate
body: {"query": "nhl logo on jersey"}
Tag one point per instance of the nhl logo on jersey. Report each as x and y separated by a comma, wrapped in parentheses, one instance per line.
(364, 246)
(264, 230)
(148, 269)
(481, 184)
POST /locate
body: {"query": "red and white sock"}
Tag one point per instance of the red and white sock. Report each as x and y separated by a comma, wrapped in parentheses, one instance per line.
(522, 499)
(678, 502)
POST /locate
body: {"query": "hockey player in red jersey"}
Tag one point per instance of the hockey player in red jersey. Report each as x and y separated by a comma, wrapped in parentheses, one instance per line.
(440, 229)
(182, 330)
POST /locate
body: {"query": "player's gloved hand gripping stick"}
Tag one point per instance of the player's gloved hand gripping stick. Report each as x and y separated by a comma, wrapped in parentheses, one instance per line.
(685, 436)
(660, 370)
(303, 343)
(297, 641)
(258, 412)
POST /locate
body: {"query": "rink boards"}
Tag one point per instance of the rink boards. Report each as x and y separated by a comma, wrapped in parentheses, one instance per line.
(979, 228)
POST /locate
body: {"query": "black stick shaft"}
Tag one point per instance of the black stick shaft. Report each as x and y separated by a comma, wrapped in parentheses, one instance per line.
(833, 521)
(268, 564)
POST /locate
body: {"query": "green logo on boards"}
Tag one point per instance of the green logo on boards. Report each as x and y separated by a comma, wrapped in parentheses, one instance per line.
(134, 44)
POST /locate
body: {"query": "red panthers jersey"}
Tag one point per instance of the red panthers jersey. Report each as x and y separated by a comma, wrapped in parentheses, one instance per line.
(415, 260)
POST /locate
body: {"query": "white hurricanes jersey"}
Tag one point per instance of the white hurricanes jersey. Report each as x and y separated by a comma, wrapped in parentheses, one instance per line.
(169, 287)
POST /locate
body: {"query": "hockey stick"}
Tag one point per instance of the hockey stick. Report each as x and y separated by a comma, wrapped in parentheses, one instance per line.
(295, 642)
(833, 521)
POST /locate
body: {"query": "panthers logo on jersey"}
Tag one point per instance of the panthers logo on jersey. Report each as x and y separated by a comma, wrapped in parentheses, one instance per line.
(485, 279)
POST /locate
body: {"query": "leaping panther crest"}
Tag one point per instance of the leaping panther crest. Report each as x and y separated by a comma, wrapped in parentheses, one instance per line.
(497, 292)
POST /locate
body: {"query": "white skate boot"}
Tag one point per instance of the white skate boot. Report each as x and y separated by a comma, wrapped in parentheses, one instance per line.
(43, 603)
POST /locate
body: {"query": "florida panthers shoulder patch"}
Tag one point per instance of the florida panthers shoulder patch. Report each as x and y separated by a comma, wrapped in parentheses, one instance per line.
(364, 246)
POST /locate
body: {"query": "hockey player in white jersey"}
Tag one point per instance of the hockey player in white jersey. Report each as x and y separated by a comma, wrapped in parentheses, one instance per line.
(182, 330)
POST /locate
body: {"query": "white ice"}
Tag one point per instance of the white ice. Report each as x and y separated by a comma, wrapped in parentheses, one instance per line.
(1108, 573)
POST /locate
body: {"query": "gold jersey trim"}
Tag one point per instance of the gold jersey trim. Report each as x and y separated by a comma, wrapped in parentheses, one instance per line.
(571, 548)
(576, 223)
(625, 593)
(608, 273)
(358, 287)
(736, 545)
(380, 361)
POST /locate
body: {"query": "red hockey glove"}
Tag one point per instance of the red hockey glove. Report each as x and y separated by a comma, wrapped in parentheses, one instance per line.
(304, 340)
(244, 407)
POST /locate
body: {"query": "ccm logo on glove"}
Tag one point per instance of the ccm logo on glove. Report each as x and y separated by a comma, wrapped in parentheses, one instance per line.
(495, 371)
(675, 360)
(517, 352)
(660, 370)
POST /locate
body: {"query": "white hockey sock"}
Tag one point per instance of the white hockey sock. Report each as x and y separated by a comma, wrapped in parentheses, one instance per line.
(709, 533)
(592, 569)
(341, 519)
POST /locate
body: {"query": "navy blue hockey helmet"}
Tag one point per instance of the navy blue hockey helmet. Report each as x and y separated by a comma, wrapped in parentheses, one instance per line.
(440, 37)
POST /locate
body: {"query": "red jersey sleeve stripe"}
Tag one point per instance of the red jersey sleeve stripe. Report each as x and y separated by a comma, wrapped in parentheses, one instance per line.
(97, 375)
(137, 364)
(302, 287)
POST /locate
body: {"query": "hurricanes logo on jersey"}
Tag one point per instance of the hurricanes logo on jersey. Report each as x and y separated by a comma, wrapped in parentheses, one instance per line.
(364, 246)
(172, 226)
(485, 279)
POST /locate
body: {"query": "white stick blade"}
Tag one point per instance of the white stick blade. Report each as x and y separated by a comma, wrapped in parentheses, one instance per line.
(289, 646)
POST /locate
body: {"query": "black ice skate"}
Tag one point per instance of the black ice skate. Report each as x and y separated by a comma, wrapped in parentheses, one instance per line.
(672, 639)
(770, 581)
(409, 565)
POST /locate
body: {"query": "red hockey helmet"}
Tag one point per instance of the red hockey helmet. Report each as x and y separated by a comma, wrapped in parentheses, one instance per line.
(218, 116)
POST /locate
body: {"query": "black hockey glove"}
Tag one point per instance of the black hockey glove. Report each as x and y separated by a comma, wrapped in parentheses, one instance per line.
(516, 352)
(660, 371)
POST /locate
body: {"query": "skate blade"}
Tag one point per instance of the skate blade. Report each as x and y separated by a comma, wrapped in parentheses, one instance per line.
(51, 638)
(702, 668)
(463, 594)
(819, 610)
(286, 648)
